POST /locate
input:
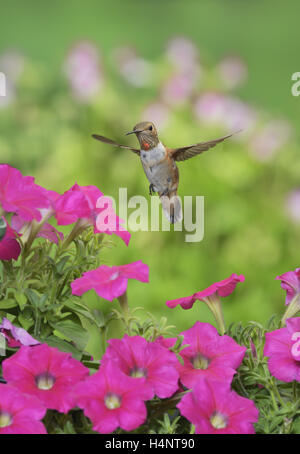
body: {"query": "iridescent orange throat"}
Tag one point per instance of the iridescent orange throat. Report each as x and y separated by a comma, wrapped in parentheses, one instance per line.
(145, 145)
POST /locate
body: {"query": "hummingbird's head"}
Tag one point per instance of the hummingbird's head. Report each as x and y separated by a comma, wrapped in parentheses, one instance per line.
(146, 134)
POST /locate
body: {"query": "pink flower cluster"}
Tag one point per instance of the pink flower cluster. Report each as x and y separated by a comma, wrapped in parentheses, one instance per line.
(38, 377)
(209, 364)
(282, 345)
(31, 206)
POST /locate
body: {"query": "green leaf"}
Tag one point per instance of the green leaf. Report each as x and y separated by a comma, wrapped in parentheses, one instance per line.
(8, 303)
(73, 332)
(64, 346)
(79, 309)
(60, 265)
(21, 299)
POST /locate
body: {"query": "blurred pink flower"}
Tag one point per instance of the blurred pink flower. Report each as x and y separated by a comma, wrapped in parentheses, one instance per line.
(138, 358)
(219, 289)
(215, 409)
(46, 373)
(9, 246)
(282, 348)
(158, 112)
(232, 71)
(135, 70)
(110, 282)
(290, 281)
(88, 205)
(231, 113)
(15, 335)
(270, 139)
(292, 205)
(111, 400)
(178, 89)
(20, 413)
(20, 194)
(84, 71)
(182, 53)
(208, 355)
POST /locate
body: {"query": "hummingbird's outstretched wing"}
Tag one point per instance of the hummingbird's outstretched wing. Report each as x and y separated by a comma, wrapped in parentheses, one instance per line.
(183, 153)
(112, 142)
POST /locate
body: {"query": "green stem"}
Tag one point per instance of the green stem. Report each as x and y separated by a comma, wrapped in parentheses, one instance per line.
(292, 309)
(123, 300)
(79, 227)
(214, 304)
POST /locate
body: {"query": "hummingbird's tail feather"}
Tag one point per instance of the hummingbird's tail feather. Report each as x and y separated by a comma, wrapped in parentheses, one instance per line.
(171, 206)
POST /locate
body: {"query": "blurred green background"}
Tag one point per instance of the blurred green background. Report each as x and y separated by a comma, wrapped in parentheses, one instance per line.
(197, 69)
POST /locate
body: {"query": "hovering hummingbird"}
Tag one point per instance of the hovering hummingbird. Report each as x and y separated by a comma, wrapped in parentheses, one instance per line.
(159, 164)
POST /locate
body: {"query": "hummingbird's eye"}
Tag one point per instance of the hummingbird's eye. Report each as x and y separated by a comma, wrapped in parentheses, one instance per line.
(150, 128)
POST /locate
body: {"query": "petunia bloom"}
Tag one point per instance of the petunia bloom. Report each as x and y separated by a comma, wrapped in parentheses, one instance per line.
(282, 347)
(15, 335)
(137, 358)
(87, 205)
(215, 409)
(208, 355)
(9, 246)
(290, 282)
(45, 230)
(19, 194)
(111, 400)
(211, 296)
(46, 373)
(220, 289)
(110, 282)
(20, 413)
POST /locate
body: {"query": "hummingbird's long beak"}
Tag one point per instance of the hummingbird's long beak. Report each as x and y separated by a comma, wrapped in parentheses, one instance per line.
(133, 132)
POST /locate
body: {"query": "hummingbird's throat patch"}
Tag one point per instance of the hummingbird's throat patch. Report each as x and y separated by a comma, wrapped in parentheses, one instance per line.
(145, 145)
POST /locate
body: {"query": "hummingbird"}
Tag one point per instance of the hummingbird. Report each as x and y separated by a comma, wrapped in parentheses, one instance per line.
(159, 164)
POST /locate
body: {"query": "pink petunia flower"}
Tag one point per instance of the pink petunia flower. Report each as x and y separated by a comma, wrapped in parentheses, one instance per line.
(20, 194)
(137, 358)
(211, 296)
(15, 335)
(219, 289)
(215, 409)
(110, 282)
(111, 400)
(20, 413)
(290, 282)
(208, 355)
(9, 246)
(46, 231)
(88, 205)
(283, 349)
(46, 373)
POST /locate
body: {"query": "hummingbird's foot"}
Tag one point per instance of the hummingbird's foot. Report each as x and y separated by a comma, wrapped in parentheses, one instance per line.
(151, 189)
(165, 192)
